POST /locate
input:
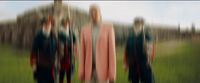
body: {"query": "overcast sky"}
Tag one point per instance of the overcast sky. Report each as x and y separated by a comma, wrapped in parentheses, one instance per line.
(162, 12)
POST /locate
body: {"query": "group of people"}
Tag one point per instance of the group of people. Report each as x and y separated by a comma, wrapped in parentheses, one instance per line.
(52, 52)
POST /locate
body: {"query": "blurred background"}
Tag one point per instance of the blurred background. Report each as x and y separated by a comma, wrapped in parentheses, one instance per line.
(175, 26)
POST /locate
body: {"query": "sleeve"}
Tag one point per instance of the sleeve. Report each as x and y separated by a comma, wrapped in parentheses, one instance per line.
(112, 55)
(61, 37)
(81, 64)
(59, 50)
(148, 36)
(34, 49)
(149, 46)
(125, 54)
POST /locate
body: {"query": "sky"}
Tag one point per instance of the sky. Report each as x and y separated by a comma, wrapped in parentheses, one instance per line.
(155, 12)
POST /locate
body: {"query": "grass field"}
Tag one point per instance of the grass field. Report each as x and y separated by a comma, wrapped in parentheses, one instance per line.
(175, 62)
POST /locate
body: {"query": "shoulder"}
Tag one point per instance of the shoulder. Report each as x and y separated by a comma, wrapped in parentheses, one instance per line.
(148, 31)
(130, 31)
(39, 34)
(60, 33)
(85, 28)
(130, 35)
(108, 26)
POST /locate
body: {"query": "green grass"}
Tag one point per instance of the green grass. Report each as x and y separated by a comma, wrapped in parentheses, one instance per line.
(14, 66)
(175, 62)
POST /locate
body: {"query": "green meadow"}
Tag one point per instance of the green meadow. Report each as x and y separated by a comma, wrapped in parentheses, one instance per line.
(175, 62)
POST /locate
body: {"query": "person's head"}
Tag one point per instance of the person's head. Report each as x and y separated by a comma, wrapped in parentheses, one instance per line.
(95, 13)
(66, 22)
(47, 23)
(138, 22)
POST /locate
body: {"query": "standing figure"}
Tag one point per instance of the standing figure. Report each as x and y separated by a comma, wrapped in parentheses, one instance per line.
(67, 43)
(97, 62)
(43, 53)
(138, 53)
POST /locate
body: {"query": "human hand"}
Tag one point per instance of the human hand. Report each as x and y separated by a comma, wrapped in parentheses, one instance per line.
(111, 81)
(125, 68)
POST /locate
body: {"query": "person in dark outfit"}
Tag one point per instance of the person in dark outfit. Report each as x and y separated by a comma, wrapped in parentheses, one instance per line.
(43, 53)
(137, 58)
(67, 43)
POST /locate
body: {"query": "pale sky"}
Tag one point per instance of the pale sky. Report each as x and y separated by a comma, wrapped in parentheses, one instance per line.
(162, 12)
